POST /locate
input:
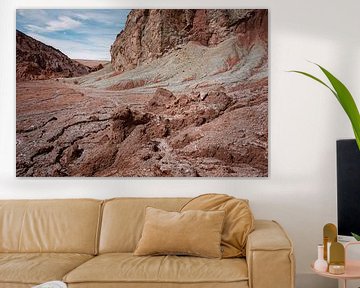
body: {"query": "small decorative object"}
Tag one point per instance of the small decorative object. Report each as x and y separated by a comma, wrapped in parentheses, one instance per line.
(341, 267)
(320, 264)
(328, 245)
(330, 236)
(337, 258)
(336, 269)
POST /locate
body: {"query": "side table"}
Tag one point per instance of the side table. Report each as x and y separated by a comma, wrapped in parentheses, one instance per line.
(352, 268)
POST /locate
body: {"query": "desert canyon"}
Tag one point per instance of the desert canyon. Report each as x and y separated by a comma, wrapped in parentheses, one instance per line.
(185, 94)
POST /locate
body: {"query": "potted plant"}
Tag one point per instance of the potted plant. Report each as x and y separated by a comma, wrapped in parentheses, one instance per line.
(347, 102)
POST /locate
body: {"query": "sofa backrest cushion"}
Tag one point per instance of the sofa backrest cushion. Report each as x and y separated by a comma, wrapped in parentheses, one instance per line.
(64, 226)
(123, 220)
(193, 233)
(239, 220)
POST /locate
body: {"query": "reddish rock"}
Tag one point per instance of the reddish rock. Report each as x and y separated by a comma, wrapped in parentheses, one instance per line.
(96, 68)
(149, 34)
(127, 84)
(124, 122)
(218, 100)
(161, 98)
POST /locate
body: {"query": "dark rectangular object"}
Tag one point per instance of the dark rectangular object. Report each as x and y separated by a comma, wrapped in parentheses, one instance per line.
(348, 187)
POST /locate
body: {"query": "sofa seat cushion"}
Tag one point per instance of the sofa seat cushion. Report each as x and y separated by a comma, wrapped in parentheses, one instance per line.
(127, 268)
(36, 268)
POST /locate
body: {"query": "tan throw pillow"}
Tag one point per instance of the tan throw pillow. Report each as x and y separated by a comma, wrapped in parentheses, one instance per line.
(239, 220)
(196, 233)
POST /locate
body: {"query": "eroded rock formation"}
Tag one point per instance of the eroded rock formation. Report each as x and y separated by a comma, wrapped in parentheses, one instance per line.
(149, 34)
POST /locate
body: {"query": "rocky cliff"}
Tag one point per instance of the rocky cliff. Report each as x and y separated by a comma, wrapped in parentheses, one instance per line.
(36, 60)
(149, 34)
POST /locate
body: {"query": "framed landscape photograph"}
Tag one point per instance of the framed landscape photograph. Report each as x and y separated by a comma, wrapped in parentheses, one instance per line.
(142, 92)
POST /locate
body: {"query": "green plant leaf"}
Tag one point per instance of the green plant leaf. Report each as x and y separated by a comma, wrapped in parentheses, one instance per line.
(346, 100)
(316, 79)
(356, 236)
(344, 97)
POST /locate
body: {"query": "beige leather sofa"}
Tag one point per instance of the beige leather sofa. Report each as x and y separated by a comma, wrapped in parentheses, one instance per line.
(89, 243)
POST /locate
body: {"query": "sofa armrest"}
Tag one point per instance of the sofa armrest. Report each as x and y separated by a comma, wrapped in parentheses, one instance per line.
(269, 255)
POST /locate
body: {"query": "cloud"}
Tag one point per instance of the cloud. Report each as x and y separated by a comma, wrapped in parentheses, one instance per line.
(35, 28)
(33, 15)
(76, 49)
(82, 16)
(78, 33)
(107, 17)
(63, 23)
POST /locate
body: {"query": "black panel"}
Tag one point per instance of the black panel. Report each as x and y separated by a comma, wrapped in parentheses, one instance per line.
(348, 187)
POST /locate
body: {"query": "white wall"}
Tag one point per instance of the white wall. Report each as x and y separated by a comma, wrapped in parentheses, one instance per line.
(305, 120)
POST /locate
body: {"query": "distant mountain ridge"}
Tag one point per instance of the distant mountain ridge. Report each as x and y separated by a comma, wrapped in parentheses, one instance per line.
(38, 61)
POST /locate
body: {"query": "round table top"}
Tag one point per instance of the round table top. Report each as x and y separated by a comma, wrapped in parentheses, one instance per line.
(352, 271)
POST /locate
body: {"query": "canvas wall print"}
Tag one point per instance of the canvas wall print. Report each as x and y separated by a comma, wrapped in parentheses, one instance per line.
(158, 93)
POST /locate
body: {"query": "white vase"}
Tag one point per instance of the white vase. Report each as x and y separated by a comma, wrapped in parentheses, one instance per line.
(320, 264)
